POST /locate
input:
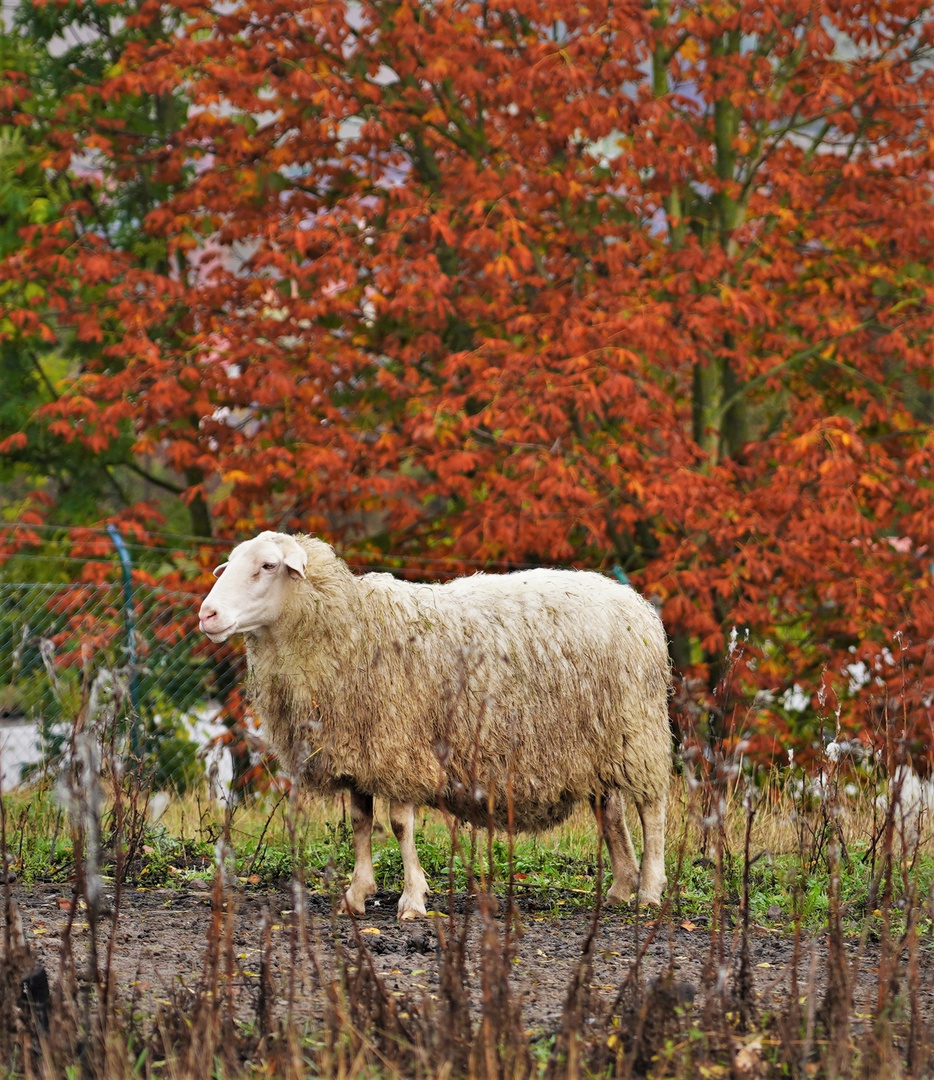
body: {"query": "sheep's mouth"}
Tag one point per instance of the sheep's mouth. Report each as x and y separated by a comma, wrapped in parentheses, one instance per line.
(217, 635)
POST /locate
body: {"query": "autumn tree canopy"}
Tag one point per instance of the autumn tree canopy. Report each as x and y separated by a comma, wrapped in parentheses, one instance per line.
(597, 284)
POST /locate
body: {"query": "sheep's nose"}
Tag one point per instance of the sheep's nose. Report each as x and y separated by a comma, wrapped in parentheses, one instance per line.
(207, 613)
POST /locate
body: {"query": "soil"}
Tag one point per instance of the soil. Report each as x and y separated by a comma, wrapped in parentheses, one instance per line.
(160, 950)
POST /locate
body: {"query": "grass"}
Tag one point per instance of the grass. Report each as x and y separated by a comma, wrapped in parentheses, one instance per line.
(829, 871)
(785, 872)
(274, 840)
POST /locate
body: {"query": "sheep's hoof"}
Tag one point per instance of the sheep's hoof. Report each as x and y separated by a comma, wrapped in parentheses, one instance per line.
(351, 906)
(620, 894)
(411, 907)
(617, 901)
(652, 897)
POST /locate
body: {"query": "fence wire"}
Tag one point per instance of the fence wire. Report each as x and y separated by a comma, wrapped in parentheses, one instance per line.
(126, 661)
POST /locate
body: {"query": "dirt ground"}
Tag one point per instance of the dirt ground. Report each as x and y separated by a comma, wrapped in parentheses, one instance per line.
(161, 935)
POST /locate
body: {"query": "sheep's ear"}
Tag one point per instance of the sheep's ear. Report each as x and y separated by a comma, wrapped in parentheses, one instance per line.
(218, 570)
(295, 558)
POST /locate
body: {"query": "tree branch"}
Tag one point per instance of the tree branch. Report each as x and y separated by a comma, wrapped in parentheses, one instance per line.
(166, 485)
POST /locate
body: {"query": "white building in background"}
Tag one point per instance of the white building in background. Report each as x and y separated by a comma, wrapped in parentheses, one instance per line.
(20, 747)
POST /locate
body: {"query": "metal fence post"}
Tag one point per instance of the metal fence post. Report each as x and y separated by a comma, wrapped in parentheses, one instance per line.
(620, 574)
(129, 624)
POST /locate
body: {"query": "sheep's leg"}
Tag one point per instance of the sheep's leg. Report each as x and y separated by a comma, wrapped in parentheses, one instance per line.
(363, 882)
(652, 879)
(619, 845)
(415, 887)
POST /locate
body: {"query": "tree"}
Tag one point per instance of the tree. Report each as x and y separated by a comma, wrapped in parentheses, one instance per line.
(617, 284)
(81, 178)
(27, 198)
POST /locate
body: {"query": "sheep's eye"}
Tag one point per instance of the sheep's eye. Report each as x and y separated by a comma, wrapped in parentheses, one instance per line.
(270, 565)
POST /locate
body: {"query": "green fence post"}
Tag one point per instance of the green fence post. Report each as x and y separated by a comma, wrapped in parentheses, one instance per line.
(129, 624)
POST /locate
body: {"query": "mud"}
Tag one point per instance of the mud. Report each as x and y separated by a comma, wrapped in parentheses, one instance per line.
(157, 944)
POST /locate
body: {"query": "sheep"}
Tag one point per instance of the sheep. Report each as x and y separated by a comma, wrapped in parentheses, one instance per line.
(504, 700)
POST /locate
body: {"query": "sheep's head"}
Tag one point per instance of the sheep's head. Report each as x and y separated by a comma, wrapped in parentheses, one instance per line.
(250, 588)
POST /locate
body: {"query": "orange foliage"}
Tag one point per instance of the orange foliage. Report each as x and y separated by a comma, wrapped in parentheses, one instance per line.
(592, 284)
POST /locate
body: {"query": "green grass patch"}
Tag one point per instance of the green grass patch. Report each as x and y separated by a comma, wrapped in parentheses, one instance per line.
(268, 842)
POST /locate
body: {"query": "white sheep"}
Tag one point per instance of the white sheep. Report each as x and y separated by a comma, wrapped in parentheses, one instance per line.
(502, 699)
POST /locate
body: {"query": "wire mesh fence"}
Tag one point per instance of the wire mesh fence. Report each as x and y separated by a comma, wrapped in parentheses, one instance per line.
(112, 644)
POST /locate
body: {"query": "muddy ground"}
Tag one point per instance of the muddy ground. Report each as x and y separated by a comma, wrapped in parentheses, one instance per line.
(160, 949)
